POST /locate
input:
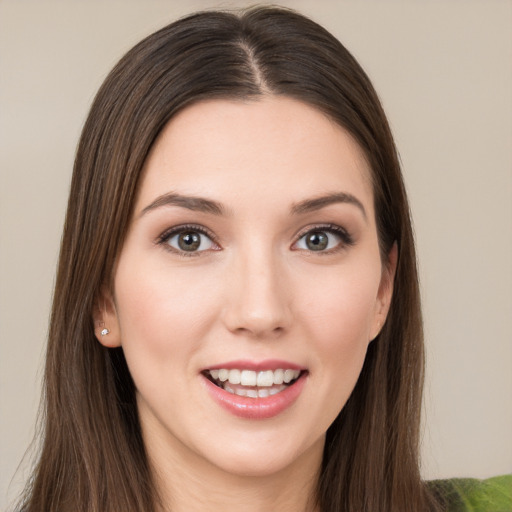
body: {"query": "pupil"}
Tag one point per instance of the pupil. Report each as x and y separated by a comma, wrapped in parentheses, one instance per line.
(189, 241)
(317, 241)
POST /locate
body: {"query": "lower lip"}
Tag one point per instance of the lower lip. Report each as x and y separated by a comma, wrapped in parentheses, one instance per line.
(256, 408)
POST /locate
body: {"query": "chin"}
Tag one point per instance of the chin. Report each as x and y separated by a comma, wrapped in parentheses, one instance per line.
(260, 460)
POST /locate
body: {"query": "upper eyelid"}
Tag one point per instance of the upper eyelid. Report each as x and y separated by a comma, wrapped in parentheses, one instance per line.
(346, 237)
(328, 226)
(184, 227)
(333, 228)
(163, 239)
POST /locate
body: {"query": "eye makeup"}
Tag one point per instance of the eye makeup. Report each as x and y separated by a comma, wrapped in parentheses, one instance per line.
(193, 239)
(192, 243)
(320, 236)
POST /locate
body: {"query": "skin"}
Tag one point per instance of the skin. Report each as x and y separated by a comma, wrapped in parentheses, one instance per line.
(256, 292)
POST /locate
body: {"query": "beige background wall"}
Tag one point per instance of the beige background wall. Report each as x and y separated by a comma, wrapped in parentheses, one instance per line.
(443, 70)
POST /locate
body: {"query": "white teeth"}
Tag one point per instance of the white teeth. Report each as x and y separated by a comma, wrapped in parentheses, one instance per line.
(248, 378)
(264, 379)
(279, 376)
(254, 393)
(234, 376)
(289, 375)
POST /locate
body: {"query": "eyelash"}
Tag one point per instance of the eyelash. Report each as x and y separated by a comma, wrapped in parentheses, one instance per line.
(164, 238)
(346, 239)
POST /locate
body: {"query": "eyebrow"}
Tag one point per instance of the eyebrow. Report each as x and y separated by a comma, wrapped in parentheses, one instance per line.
(197, 204)
(317, 203)
(201, 204)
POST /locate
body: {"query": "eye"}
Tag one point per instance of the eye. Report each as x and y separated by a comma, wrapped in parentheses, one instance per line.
(188, 239)
(323, 239)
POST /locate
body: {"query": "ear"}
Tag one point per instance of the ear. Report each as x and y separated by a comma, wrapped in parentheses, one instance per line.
(106, 323)
(385, 293)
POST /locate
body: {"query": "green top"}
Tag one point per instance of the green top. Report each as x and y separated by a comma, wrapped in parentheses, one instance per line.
(472, 495)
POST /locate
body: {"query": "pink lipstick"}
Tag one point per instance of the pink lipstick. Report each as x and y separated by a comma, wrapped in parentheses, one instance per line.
(255, 390)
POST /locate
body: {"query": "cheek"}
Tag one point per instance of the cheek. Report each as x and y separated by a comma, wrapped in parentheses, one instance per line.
(154, 300)
(162, 318)
(342, 307)
(339, 321)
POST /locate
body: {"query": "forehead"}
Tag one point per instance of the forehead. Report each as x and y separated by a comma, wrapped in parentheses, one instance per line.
(272, 149)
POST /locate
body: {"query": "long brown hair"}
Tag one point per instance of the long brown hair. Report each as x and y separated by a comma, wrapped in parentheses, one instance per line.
(93, 457)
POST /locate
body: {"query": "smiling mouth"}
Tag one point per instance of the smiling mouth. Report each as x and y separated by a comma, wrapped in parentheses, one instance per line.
(253, 384)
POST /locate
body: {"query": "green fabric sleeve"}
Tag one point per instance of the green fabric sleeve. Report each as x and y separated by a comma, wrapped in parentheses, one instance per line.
(472, 495)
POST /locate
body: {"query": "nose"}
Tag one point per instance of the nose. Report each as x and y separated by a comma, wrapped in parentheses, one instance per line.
(259, 298)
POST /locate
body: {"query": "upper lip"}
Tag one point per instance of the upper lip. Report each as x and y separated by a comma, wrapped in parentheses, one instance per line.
(257, 366)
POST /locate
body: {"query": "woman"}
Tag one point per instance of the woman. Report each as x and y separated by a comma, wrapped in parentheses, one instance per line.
(236, 320)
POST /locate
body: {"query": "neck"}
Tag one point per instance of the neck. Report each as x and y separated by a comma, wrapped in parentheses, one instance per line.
(189, 484)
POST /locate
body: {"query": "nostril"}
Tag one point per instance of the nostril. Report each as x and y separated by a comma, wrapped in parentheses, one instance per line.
(257, 306)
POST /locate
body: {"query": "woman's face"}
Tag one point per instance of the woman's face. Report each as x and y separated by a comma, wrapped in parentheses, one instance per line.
(252, 256)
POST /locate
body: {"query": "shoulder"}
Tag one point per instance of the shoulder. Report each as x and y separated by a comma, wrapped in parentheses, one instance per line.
(472, 495)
